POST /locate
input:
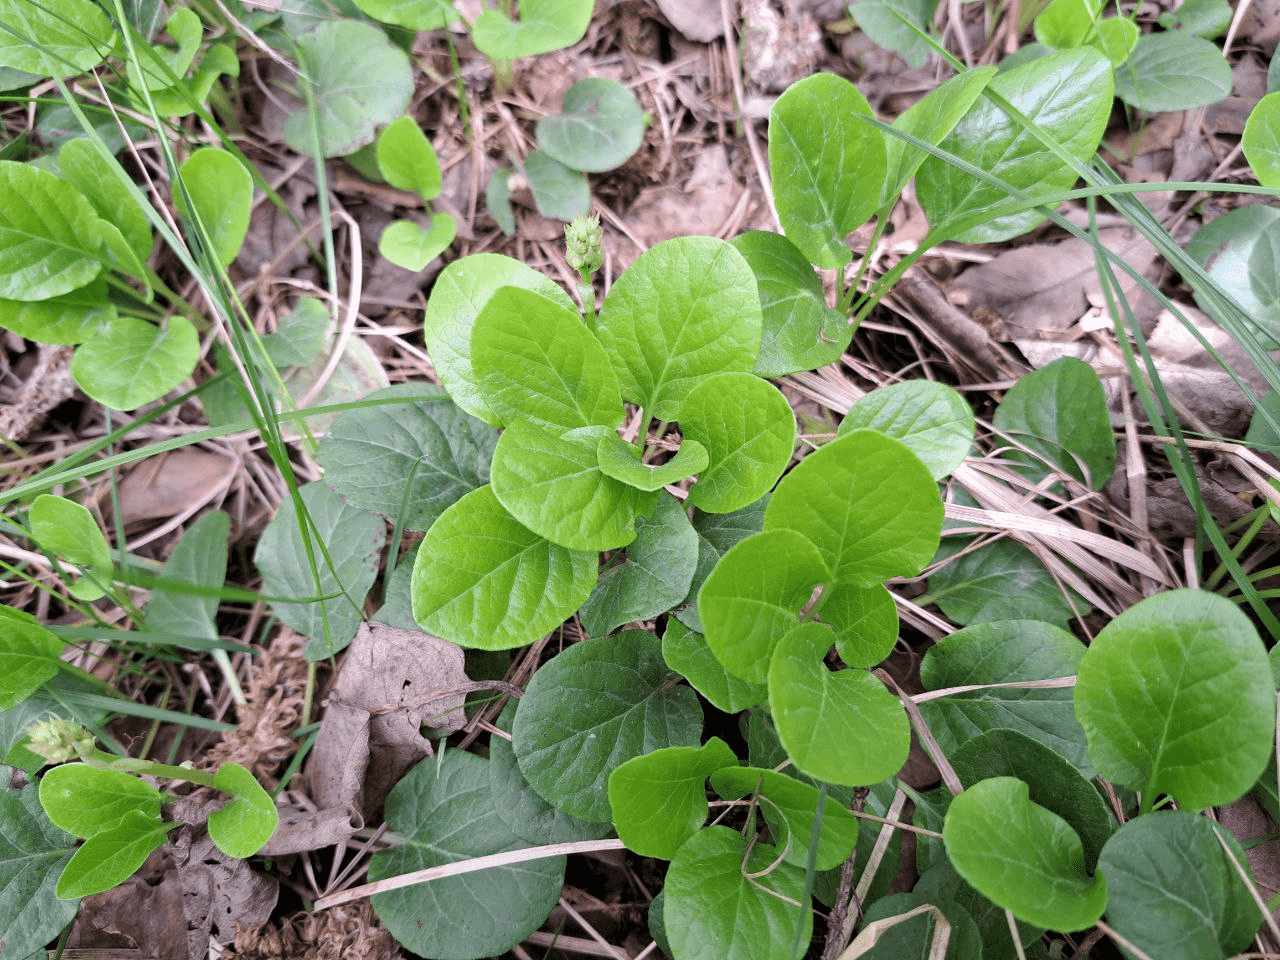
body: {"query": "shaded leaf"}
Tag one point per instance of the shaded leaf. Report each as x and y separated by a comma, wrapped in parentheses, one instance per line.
(1173, 71)
(597, 129)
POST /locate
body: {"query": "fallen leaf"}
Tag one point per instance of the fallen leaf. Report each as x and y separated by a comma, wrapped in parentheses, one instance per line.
(171, 483)
(143, 914)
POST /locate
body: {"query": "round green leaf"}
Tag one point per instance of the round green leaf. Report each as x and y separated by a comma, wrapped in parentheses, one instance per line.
(551, 484)
(843, 727)
(482, 580)
(1225, 248)
(933, 421)
(599, 127)
(1261, 140)
(411, 247)
(712, 910)
(1175, 696)
(409, 461)
(796, 804)
(33, 853)
(86, 800)
(1173, 891)
(68, 318)
(1067, 96)
(800, 331)
(112, 856)
(1022, 857)
(1005, 652)
(459, 294)
(544, 25)
(48, 234)
(525, 813)
(54, 38)
(865, 620)
(867, 503)
(406, 159)
(68, 530)
(687, 653)
(1067, 23)
(652, 578)
(559, 192)
(412, 14)
(246, 823)
(352, 539)
(749, 432)
(447, 811)
(131, 362)
(593, 707)
(686, 309)
(537, 363)
(1055, 785)
(659, 800)
(1060, 413)
(1116, 37)
(621, 460)
(220, 193)
(360, 81)
(754, 596)
(717, 532)
(827, 164)
(1173, 70)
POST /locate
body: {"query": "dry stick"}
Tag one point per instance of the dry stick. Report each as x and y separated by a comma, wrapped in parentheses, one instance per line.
(1252, 887)
(949, 777)
(467, 866)
(612, 951)
(853, 909)
(1051, 683)
(1136, 951)
(762, 168)
(1014, 936)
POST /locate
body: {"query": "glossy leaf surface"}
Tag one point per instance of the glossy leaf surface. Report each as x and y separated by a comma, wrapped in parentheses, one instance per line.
(934, 421)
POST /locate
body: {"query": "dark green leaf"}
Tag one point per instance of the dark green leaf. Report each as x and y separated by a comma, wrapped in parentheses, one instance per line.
(199, 559)
(686, 652)
(599, 127)
(1173, 71)
(1002, 580)
(559, 192)
(33, 853)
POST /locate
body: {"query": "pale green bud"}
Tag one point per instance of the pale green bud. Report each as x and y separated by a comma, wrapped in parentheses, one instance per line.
(584, 238)
(58, 740)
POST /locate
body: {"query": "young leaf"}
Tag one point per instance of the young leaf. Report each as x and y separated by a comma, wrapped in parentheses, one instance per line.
(33, 853)
(754, 596)
(593, 707)
(49, 236)
(1172, 890)
(1175, 696)
(1000, 581)
(1066, 96)
(411, 247)
(68, 318)
(686, 309)
(1023, 857)
(559, 192)
(659, 800)
(800, 331)
(930, 119)
(687, 653)
(722, 900)
(796, 802)
(112, 856)
(538, 364)
(353, 539)
(416, 457)
(130, 362)
(67, 530)
(300, 335)
(85, 165)
(550, 483)
(598, 128)
(54, 38)
(497, 197)
(1116, 37)
(220, 193)
(1261, 140)
(932, 419)
(459, 294)
(1005, 652)
(842, 727)
(199, 559)
(1173, 71)
(621, 460)
(411, 14)
(1055, 785)
(482, 580)
(246, 823)
(29, 656)
(85, 800)
(361, 81)
(867, 503)
(828, 165)
(447, 810)
(865, 620)
(524, 812)
(749, 432)
(1067, 23)
(544, 25)
(654, 576)
(157, 62)
(407, 160)
(1060, 413)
